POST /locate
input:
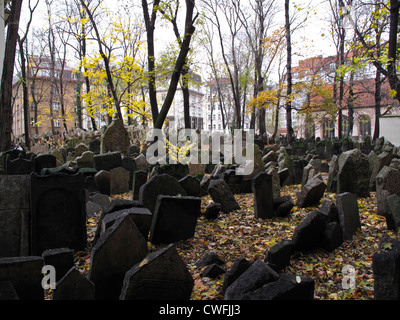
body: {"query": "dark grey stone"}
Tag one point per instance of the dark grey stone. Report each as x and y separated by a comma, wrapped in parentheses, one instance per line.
(278, 257)
(349, 216)
(163, 184)
(258, 274)
(263, 196)
(307, 235)
(25, 273)
(160, 276)
(14, 215)
(311, 193)
(174, 219)
(386, 269)
(120, 247)
(332, 237)
(191, 186)
(287, 287)
(58, 212)
(220, 193)
(74, 286)
(62, 259)
(107, 161)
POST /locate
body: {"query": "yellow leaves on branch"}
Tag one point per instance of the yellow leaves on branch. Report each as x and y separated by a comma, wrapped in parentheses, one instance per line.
(265, 99)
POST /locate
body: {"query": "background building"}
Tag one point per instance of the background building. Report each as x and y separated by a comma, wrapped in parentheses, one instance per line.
(51, 103)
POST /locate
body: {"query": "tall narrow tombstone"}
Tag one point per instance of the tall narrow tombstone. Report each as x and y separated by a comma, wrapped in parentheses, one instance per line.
(393, 214)
(139, 178)
(349, 216)
(130, 165)
(116, 251)
(263, 196)
(160, 276)
(25, 273)
(174, 219)
(58, 212)
(14, 215)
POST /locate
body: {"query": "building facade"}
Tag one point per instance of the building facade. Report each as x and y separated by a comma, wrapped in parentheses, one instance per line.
(52, 104)
(319, 116)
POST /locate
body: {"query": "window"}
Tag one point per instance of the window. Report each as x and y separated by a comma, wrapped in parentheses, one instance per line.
(56, 106)
(328, 129)
(345, 126)
(365, 126)
(57, 123)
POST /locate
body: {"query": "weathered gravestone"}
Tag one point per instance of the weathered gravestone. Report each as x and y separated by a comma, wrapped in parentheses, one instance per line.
(115, 138)
(393, 214)
(80, 149)
(308, 234)
(386, 268)
(191, 186)
(287, 287)
(86, 160)
(142, 218)
(163, 184)
(139, 178)
(102, 180)
(387, 183)
(62, 259)
(119, 181)
(263, 196)
(120, 247)
(107, 161)
(141, 163)
(353, 175)
(19, 165)
(278, 257)
(45, 161)
(74, 286)
(14, 215)
(349, 216)
(25, 273)
(311, 193)
(58, 212)
(130, 165)
(220, 193)
(94, 146)
(258, 274)
(174, 219)
(160, 276)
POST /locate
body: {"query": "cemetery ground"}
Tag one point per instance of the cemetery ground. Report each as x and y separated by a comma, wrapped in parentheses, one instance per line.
(240, 234)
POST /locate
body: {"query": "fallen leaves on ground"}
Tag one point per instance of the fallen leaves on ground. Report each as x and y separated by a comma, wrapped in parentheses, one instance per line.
(240, 234)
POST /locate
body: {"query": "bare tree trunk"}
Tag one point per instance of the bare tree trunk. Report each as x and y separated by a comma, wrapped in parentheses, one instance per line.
(289, 127)
(6, 119)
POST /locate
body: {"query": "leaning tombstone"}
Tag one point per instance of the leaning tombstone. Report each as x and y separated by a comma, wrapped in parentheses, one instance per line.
(220, 193)
(102, 180)
(107, 161)
(160, 276)
(349, 216)
(162, 184)
(120, 247)
(174, 219)
(14, 215)
(263, 196)
(58, 212)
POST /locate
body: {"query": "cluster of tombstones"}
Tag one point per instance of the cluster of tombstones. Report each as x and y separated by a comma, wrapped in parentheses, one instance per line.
(44, 208)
